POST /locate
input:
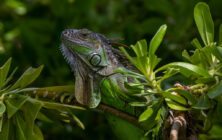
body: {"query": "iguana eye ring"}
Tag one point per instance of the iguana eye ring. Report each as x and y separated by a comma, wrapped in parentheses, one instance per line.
(95, 59)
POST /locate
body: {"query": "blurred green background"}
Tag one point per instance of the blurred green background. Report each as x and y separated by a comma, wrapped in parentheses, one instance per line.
(30, 34)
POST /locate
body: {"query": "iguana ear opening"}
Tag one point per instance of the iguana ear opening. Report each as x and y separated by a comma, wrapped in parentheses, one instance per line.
(86, 91)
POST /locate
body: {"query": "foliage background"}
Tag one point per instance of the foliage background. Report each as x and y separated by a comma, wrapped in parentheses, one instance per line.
(30, 33)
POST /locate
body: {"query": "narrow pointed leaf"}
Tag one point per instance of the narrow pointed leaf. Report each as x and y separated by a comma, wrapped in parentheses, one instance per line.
(4, 72)
(204, 22)
(196, 43)
(27, 78)
(157, 39)
(190, 68)
(140, 48)
(175, 105)
(174, 97)
(185, 94)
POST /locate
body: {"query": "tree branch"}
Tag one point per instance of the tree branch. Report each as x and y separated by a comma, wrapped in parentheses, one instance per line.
(118, 113)
(178, 127)
(103, 107)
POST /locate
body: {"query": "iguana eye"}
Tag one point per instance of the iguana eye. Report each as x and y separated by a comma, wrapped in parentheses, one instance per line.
(84, 35)
(95, 59)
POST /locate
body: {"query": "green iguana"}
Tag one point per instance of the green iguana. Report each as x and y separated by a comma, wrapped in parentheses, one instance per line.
(93, 60)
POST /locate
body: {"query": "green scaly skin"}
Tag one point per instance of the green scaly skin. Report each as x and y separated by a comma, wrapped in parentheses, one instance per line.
(93, 62)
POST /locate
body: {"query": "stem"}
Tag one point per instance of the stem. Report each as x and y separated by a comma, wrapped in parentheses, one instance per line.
(118, 113)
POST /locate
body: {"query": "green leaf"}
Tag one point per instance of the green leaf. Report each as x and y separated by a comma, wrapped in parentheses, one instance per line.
(20, 126)
(140, 104)
(14, 103)
(30, 110)
(10, 76)
(146, 114)
(78, 122)
(36, 135)
(220, 35)
(140, 48)
(174, 97)
(216, 91)
(66, 88)
(2, 108)
(128, 56)
(5, 132)
(190, 68)
(60, 107)
(4, 72)
(185, 94)
(150, 117)
(204, 22)
(203, 103)
(157, 39)
(175, 105)
(186, 55)
(27, 78)
(196, 43)
(129, 73)
(125, 130)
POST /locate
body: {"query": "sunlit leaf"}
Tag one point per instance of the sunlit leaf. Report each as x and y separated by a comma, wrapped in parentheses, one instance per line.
(192, 69)
(174, 97)
(175, 105)
(140, 104)
(140, 48)
(157, 39)
(185, 94)
(150, 117)
(146, 114)
(204, 22)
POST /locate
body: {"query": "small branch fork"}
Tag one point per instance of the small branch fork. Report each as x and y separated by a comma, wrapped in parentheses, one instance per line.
(178, 129)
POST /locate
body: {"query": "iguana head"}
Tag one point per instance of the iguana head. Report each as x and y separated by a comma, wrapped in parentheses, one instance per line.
(89, 46)
(91, 58)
